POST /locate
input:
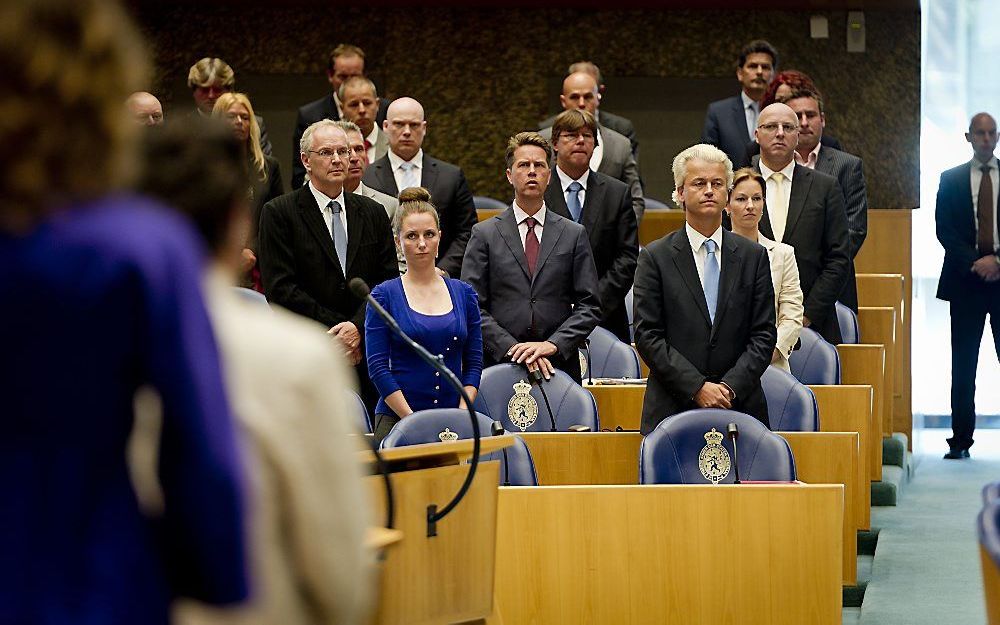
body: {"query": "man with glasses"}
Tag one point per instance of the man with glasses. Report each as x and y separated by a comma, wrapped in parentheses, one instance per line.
(603, 206)
(804, 209)
(406, 165)
(314, 240)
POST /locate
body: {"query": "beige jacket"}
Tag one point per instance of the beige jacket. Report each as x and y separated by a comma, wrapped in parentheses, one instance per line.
(787, 296)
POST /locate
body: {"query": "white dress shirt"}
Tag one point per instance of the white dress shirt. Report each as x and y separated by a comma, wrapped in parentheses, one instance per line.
(975, 178)
(399, 174)
(322, 200)
(697, 241)
(752, 109)
(565, 181)
(778, 215)
(598, 155)
(522, 228)
(372, 139)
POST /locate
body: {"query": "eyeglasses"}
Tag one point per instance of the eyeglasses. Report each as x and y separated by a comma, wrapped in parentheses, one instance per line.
(573, 137)
(774, 126)
(329, 154)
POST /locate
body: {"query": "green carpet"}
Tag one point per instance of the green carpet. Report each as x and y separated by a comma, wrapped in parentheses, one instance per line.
(926, 568)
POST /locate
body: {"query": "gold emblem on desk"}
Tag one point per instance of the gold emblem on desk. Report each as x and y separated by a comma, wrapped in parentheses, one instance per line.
(447, 435)
(713, 461)
(583, 363)
(522, 409)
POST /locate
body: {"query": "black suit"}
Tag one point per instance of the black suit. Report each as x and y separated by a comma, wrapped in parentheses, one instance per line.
(614, 241)
(559, 303)
(324, 108)
(971, 298)
(816, 227)
(300, 269)
(683, 348)
(850, 175)
(726, 128)
(450, 195)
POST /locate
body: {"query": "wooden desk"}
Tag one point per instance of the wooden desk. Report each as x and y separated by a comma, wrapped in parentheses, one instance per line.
(618, 404)
(865, 364)
(657, 223)
(893, 290)
(879, 325)
(697, 555)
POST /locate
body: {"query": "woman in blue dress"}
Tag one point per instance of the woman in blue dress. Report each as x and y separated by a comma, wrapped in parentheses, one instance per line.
(438, 312)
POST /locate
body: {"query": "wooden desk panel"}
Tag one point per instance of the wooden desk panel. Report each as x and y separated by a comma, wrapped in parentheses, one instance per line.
(865, 364)
(618, 404)
(698, 555)
(657, 223)
(880, 329)
(581, 458)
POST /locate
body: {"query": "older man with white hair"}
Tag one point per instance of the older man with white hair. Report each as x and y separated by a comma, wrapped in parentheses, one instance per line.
(704, 303)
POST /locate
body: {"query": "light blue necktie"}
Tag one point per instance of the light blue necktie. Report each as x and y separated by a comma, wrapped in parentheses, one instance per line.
(409, 175)
(711, 278)
(573, 200)
(339, 235)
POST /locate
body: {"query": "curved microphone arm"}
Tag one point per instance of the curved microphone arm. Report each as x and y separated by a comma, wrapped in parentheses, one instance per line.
(360, 289)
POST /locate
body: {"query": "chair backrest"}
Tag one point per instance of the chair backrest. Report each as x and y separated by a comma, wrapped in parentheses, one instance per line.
(252, 296)
(426, 426)
(850, 332)
(816, 361)
(791, 405)
(608, 357)
(505, 390)
(364, 420)
(653, 204)
(488, 203)
(991, 493)
(676, 449)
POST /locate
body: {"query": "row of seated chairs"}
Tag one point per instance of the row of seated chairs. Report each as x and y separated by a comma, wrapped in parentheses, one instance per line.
(988, 528)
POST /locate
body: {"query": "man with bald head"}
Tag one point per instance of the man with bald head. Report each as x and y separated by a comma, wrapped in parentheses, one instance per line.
(406, 165)
(613, 152)
(144, 109)
(805, 209)
(966, 216)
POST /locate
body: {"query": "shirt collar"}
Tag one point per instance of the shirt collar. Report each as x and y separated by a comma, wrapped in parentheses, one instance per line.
(565, 180)
(747, 100)
(976, 163)
(373, 135)
(322, 199)
(811, 159)
(520, 215)
(697, 239)
(417, 160)
(786, 170)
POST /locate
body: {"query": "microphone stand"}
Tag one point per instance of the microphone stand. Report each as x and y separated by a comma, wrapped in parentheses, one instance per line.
(538, 378)
(360, 289)
(734, 433)
(590, 362)
(497, 430)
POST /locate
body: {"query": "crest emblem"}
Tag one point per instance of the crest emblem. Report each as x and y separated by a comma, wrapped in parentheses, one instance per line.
(447, 435)
(584, 365)
(713, 461)
(522, 409)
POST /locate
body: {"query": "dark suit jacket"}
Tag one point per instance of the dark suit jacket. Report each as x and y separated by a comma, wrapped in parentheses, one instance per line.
(451, 197)
(726, 128)
(956, 230)
(614, 241)
(683, 348)
(298, 263)
(617, 123)
(850, 175)
(558, 304)
(263, 192)
(817, 228)
(309, 114)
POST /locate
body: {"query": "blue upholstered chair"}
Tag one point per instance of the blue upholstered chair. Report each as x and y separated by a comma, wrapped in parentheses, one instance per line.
(991, 493)
(817, 361)
(655, 205)
(608, 357)
(670, 453)
(850, 332)
(988, 528)
(482, 202)
(791, 405)
(252, 296)
(426, 426)
(364, 420)
(571, 403)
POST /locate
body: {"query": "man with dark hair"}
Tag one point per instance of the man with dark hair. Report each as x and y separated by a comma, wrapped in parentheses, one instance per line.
(600, 204)
(730, 123)
(345, 61)
(966, 216)
(846, 168)
(533, 272)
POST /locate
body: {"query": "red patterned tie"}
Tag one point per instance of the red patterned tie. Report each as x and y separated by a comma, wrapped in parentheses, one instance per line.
(368, 144)
(531, 245)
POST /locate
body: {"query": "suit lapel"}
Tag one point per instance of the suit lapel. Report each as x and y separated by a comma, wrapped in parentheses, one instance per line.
(765, 219)
(383, 175)
(512, 237)
(355, 229)
(824, 162)
(310, 213)
(801, 181)
(593, 202)
(552, 230)
(684, 260)
(740, 117)
(555, 201)
(428, 176)
(731, 262)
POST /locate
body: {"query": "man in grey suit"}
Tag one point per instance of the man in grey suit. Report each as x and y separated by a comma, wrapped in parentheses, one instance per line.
(704, 303)
(730, 123)
(617, 123)
(613, 157)
(406, 165)
(805, 209)
(846, 168)
(533, 272)
(360, 102)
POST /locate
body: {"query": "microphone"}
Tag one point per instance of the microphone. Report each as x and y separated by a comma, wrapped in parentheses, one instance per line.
(360, 290)
(497, 430)
(734, 433)
(590, 363)
(538, 378)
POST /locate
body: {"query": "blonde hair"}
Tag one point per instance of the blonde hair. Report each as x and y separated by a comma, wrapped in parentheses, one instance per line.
(256, 154)
(210, 71)
(748, 173)
(67, 66)
(701, 152)
(414, 201)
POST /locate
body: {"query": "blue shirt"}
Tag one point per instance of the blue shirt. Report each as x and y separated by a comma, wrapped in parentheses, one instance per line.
(456, 336)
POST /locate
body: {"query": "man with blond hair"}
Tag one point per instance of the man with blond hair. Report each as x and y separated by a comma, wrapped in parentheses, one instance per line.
(208, 79)
(704, 303)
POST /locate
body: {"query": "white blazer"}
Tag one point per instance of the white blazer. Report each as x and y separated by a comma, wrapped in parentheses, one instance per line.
(787, 296)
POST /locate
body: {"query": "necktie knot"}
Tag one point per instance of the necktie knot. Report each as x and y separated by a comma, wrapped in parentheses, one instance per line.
(575, 187)
(531, 222)
(368, 144)
(334, 206)
(778, 177)
(985, 169)
(709, 246)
